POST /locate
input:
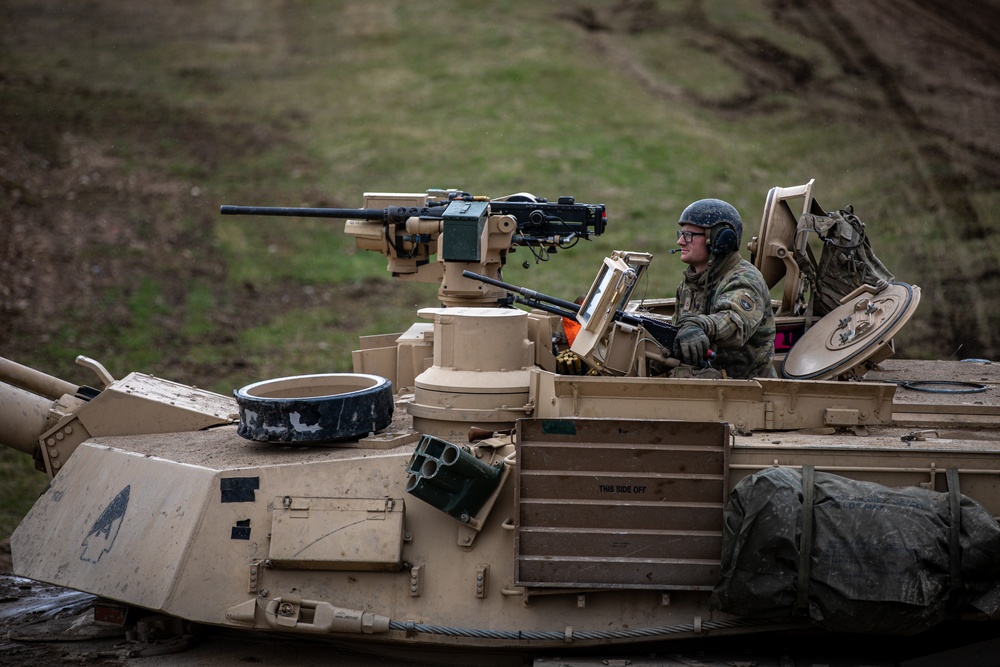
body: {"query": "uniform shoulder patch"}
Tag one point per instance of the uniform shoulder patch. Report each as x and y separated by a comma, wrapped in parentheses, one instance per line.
(746, 302)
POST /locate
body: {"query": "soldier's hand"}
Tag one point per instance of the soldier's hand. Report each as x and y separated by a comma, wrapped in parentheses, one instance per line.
(691, 344)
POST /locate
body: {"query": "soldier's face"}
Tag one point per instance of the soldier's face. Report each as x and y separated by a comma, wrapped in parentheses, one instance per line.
(695, 251)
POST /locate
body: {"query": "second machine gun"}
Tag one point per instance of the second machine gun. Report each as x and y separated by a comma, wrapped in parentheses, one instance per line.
(612, 339)
(464, 232)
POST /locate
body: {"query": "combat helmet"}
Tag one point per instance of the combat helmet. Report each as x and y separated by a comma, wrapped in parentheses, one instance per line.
(710, 213)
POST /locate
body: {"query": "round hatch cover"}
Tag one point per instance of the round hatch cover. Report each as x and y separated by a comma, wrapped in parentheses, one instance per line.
(314, 408)
(853, 333)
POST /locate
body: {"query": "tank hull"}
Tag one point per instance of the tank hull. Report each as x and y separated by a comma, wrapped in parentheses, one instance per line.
(326, 541)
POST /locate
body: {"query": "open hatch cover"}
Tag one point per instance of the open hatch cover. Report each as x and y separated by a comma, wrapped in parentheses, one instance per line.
(860, 330)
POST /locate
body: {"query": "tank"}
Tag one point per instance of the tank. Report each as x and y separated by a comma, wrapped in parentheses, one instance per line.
(476, 483)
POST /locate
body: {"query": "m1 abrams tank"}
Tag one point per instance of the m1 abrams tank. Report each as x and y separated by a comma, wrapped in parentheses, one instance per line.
(468, 487)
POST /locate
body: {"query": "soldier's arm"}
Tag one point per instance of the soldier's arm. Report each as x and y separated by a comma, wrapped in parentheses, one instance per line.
(739, 310)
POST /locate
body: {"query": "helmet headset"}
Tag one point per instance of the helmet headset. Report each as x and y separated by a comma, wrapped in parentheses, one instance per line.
(720, 221)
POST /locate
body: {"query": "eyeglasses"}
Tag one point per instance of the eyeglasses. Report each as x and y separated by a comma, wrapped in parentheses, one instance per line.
(687, 236)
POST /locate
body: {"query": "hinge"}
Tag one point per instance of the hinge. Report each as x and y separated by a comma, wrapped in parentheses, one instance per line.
(482, 580)
(416, 579)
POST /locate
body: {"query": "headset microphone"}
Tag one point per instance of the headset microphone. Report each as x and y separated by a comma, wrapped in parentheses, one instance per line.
(674, 250)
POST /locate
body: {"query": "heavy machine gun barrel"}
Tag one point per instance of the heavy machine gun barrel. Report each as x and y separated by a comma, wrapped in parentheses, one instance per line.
(390, 214)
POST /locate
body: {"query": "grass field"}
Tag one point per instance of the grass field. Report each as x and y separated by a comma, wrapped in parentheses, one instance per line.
(127, 125)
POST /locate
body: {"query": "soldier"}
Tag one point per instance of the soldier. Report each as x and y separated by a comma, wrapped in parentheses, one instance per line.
(723, 303)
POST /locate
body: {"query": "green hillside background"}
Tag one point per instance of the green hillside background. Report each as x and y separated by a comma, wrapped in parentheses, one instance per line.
(124, 126)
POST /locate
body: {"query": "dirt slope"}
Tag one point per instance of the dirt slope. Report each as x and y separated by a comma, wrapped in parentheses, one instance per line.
(83, 224)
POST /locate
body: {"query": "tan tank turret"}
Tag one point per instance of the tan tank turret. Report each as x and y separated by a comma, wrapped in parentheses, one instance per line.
(603, 505)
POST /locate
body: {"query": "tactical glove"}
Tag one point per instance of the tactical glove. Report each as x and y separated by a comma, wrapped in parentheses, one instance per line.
(691, 344)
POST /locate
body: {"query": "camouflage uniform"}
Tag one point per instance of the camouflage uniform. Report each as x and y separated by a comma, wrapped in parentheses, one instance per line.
(740, 321)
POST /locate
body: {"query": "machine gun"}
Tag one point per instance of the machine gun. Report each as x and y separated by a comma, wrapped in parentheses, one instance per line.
(611, 338)
(461, 230)
(663, 332)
